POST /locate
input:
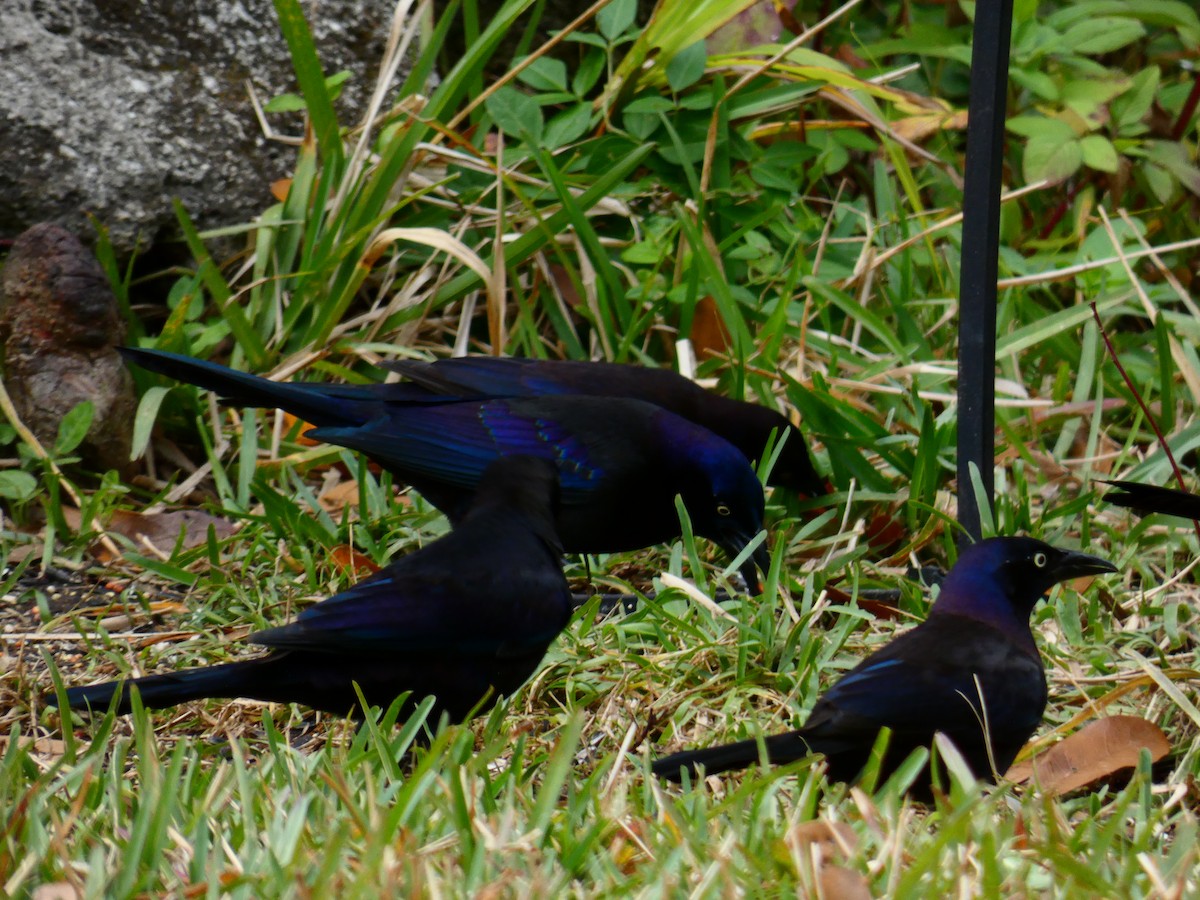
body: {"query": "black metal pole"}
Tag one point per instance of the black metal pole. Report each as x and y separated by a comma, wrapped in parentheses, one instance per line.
(980, 247)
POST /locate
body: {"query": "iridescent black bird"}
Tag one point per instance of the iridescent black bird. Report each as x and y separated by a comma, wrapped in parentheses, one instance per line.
(467, 617)
(745, 425)
(975, 645)
(621, 462)
(1149, 498)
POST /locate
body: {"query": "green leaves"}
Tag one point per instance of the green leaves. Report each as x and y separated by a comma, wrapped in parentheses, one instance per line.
(516, 113)
(687, 66)
(1101, 35)
(616, 18)
(74, 428)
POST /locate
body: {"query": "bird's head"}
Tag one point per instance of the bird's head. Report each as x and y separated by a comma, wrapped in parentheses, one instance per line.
(748, 426)
(1006, 576)
(724, 498)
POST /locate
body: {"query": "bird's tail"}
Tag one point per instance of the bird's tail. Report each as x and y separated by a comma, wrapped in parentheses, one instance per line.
(316, 403)
(1149, 498)
(159, 691)
(781, 748)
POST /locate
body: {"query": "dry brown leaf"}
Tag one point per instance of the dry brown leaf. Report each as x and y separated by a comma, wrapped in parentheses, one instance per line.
(52, 747)
(55, 890)
(162, 529)
(709, 336)
(338, 497)
(566, 287)
(1098, 750)
(835, 839)
(280, 188)
(289, 422)
(840, 883)
(919, 127)
(348, 559)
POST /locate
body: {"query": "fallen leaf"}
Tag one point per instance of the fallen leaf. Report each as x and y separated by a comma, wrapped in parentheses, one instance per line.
(162, 530)
(834, 839)
(52, 747)
(339, 496)
(924, 125)
(840, 883)
(302, 438)
(561, 279)
(1098, 750)
(280, 188)
(884, 530)
(348, 559)
(709, 336)
(55, 890)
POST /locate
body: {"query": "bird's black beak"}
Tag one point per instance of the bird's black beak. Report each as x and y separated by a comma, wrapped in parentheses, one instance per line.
(1073, 564)
(758, 561)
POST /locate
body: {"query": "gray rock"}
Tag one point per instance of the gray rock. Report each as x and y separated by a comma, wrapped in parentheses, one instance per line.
(115, 107)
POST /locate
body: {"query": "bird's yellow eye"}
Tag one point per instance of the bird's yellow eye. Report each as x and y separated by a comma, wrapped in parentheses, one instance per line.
(1039, 560)
(722, 509)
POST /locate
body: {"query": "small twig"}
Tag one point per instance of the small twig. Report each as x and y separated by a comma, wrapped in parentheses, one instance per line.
(1071, 271)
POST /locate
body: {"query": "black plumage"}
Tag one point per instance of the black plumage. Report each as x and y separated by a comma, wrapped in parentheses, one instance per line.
(972, 663)
(621, 461)
(745, 425)
(467, 617)
(1149, 498)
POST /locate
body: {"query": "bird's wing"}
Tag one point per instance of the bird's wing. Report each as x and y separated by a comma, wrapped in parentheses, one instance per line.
(426, 613)
(484, 376)
(922, 682)
(454, 442)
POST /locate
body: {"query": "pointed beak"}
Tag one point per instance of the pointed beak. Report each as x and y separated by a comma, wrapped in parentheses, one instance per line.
(1077, 565)
(759, 560)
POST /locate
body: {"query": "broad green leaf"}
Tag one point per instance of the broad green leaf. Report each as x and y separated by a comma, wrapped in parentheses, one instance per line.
(687, 66)
(1102, 35)
(1087, 95)
(1038, 83)
(545, 74)
(1160, 182)
(1132, 106)
(651, 103)
(74, 428)
(284, 103)
(143, 420)
(1053, 152)
(587, 73)
(17, 485)
(568, 126)
(1026, 126)
(1174, 157)
(1099, 153)
(516, 113)
(615, 18)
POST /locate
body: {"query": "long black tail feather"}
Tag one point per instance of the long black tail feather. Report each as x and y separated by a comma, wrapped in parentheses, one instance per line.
(781, 748)
(160, 691)
(1149, 498)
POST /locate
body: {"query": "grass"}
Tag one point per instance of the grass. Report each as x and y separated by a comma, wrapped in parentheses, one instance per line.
(608, 208)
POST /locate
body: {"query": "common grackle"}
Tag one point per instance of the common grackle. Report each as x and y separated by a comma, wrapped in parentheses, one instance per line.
(621, 462)
(469, 614)
(745, 425)
(1149, 498)
(976, 643)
